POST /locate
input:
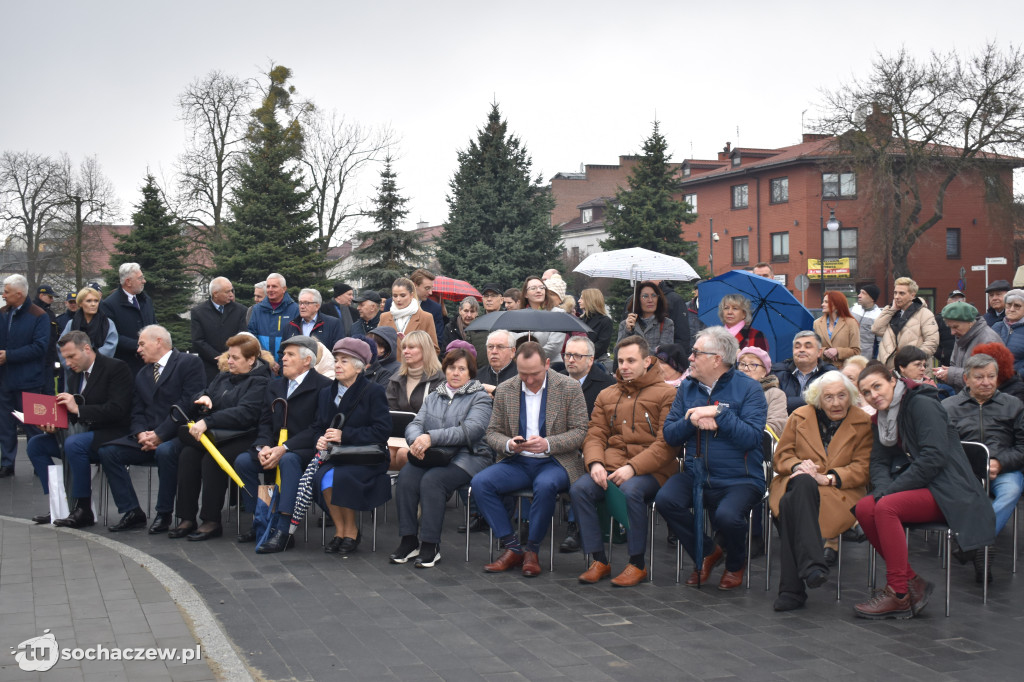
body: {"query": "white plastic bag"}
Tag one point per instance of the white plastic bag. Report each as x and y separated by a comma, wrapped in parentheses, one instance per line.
(58, 498)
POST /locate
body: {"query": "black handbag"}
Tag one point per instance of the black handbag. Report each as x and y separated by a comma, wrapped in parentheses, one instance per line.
(364, 455)
(434, 457)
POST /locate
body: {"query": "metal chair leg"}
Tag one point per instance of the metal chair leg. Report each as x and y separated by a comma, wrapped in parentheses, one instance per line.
(1015, 511)
(839, 569)
(469, 495)
(650, 564)
(949, 569)
(679, 559)
(750, 545)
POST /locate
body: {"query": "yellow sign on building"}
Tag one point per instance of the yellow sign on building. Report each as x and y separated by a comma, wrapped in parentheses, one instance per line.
(835, 268)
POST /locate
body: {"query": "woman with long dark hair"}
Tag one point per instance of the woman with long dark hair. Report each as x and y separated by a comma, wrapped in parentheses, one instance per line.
(650, 320)
(919, 473)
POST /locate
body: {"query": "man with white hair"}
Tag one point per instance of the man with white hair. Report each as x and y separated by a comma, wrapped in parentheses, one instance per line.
(271, 316)
(24, 338)
(325, 329)
(214, 321)
(501, 346)
(130, 310)
(718, 413)
(300, 389)
(259, 293)
(168, 378)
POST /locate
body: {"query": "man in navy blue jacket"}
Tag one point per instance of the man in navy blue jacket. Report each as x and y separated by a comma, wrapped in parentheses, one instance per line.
(24, 338)
(312, 323)
(719, 414)
(168, 378)
(130, 310)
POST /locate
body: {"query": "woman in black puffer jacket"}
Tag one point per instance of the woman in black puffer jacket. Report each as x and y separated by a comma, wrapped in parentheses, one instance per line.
(232, 402)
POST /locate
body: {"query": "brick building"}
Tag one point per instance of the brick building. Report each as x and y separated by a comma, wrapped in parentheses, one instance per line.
(770, 205)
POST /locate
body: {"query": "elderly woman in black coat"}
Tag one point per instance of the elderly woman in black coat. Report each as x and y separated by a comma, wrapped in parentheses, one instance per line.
(919, 473)
(231, 403)
(348, 488)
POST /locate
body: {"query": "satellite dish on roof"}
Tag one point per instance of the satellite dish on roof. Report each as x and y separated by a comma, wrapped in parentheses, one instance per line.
(860, 116)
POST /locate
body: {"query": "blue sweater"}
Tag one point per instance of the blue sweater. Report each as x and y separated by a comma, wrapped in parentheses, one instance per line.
(1013, 336)
(734, 453)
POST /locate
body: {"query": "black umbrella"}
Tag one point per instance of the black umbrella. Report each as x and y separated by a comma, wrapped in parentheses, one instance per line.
(529, 321)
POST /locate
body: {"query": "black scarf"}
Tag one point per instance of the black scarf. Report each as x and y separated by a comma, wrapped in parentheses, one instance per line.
(826, 427)
(97, 328)
(898, 322)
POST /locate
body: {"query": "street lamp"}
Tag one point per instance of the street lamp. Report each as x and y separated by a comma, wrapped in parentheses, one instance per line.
(712, 238)
(832, 226)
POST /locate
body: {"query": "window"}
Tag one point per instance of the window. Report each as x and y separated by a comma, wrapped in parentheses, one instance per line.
(953, 242)
(691, 199)
(686, 171)
(586, 215)
(842, 244)
(779, 190)
(740, 250)
(739, 196)
(780, 247)
(838, 185)
(736, 160)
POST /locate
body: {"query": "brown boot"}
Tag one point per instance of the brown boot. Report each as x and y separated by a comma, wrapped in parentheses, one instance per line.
(885, 604)
(507, 560)
(920, 590)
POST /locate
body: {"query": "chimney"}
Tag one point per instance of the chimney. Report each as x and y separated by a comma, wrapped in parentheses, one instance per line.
(878, 124)
(422, 225)
(728, 147)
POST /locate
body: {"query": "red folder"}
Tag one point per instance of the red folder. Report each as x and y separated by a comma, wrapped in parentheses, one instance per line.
(43, 410)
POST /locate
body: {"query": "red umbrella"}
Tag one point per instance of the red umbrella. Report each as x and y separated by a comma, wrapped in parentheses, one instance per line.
(448, 289)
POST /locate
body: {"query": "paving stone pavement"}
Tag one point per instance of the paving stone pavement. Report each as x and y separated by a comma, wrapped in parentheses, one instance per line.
(304, 615)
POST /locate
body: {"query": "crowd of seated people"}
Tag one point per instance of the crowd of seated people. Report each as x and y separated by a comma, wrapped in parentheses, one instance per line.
(868, 435)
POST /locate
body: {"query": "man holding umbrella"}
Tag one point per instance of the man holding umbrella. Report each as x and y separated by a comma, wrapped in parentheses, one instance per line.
(719, 415)
(289, 407)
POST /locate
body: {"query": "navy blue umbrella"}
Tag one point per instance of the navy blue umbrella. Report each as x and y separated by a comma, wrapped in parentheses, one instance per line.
(774, 311)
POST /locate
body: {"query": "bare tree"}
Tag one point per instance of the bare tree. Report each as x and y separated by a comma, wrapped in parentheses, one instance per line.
(31, 196)
(89, 196)
(913, 127)
(335, 152)
(215, 110)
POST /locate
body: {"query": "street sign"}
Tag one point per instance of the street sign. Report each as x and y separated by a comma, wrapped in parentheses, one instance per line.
(979, 268)
(995, 261)
(802, 282)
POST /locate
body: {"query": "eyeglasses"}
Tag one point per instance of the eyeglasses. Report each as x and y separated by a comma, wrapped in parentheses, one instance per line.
(536, 288)
(649, 297)
(745, 366)
(575, 356)
(492, 346)
(302, 303)
(702, 352)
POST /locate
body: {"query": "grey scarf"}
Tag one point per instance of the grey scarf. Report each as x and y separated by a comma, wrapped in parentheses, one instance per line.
(887, 428)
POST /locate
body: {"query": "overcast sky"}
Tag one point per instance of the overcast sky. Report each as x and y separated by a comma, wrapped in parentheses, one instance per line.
(579, 82)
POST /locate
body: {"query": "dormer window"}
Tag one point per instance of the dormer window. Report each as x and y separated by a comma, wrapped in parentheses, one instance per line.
(736, 159)
(686, 171)
(586, 215)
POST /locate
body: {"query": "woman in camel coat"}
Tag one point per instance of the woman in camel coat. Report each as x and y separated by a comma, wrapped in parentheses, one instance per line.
(405, 314)
(821, 466)
(838, 330)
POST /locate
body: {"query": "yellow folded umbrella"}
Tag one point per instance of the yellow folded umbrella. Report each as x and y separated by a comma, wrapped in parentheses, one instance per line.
(219, 458)
(280, 441)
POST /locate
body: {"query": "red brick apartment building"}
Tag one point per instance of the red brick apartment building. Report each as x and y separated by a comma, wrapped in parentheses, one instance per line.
(769, 205)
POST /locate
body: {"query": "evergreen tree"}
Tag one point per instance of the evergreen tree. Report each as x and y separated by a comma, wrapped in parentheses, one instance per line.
(391, 252)
(160, 246)
(647, 215)
(499, 218)
(271, 230)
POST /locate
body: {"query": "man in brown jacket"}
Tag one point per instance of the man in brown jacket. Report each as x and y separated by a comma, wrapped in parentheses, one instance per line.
(625, 446)
(537, 426)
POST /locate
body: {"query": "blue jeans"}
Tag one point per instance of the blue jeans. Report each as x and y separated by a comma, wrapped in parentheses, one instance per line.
(116, 459)
(42, 450)
(248, 467)
(1007, 489)
(586, 495)
(729, 509)
(545, 476)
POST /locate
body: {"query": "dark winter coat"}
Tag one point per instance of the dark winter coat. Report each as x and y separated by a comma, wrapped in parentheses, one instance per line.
(128, 320)
(929, 455)
(211, 331)
(998, 423)
(978, 333)
(25, 342)
(1012, 336)
(237, 399)
(327, 330)
(302, 407)
(601, 327)
(734, 454)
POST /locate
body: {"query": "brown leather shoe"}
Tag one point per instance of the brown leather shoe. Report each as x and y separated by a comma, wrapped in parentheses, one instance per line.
(595, 573)
(920, 591)
(885, 604)
(507, 560)
(710, 561)
(731, 580)
(531, 564)
(630, 577)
